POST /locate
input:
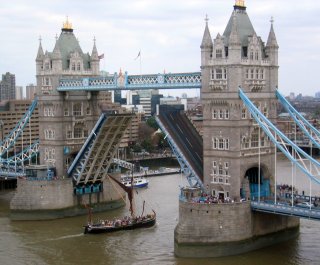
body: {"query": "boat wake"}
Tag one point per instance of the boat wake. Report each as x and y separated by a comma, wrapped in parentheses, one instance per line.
(58, 238)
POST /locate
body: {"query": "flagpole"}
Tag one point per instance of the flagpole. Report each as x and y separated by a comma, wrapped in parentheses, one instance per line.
(140, 63)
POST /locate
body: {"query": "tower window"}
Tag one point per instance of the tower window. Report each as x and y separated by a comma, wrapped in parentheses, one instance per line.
(261, 74)
(251, 55)
(78, 67)
(243, 113)
(226, 114)
(257, 56)
(219, 73)
(214, 114)
(245, 51)
(77, 109)
(218, 53)
(257, 73)
(73, 66)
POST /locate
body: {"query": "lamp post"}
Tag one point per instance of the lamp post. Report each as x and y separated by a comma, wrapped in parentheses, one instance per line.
(1, 128)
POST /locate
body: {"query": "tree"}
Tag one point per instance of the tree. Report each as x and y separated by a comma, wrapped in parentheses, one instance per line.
(151, 122)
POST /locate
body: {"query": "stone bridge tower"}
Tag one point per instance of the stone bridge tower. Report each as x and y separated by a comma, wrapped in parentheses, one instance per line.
(65, 119)
(238, 58)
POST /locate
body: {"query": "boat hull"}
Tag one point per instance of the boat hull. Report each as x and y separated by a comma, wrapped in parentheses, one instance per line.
(92, 229)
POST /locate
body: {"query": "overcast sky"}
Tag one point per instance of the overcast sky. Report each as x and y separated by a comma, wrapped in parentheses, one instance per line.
(168, 33)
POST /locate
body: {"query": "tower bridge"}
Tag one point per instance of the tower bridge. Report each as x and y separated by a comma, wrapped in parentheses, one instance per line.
(234, 161)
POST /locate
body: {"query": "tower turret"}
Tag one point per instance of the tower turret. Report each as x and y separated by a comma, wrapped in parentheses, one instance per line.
(272, 46)
(95, 61)
(39, 58)
(206, 45)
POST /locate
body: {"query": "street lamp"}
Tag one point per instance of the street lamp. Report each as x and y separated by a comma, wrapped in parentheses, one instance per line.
(1, 128)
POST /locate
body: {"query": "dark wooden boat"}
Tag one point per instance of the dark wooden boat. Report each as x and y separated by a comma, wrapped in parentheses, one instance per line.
(126, 223)
(121, 224)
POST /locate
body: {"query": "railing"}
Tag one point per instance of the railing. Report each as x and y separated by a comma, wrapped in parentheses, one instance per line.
(285, 210)
(133, 82)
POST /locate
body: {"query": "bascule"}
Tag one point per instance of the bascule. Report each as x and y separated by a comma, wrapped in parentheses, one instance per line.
(235, 158)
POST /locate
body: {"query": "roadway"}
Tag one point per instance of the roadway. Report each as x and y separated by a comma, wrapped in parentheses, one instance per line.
(186, 138)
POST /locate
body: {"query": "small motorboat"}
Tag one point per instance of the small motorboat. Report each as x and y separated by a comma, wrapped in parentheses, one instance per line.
(138, 182)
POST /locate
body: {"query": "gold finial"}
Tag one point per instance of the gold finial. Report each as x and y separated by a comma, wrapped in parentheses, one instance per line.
(67, 24)
(240, 3)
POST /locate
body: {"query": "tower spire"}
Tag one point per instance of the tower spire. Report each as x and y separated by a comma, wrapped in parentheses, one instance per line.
(272, 40)
(40, 53)
(94, 54)
(206, 39)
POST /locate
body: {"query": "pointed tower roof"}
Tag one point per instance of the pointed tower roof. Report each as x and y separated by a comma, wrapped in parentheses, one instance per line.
(234, 38)
(56, 54)
(206, 40)
(94, 54)
(272, 40)
(40, 53)
(243, 23)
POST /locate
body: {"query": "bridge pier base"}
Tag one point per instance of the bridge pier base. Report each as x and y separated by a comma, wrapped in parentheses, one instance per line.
(217, 230)
(53, 199)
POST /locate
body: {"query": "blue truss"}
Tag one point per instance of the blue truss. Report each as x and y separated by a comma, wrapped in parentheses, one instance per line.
(310, 131)
(283, 142)
(10, 140)
(133, 82)
(78, 163)
(192, 177)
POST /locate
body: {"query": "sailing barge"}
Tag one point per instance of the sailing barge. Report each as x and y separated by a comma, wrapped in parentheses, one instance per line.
(126, 223)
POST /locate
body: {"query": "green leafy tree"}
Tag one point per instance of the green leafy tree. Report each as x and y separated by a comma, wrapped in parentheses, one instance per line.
(151, 122)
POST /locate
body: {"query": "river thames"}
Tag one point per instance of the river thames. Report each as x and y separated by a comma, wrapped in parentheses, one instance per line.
(63, 242)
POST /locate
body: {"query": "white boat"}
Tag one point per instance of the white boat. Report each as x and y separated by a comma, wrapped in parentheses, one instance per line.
(138, 182)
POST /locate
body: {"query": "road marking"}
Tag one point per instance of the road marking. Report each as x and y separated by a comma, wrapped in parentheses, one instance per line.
(189, 142)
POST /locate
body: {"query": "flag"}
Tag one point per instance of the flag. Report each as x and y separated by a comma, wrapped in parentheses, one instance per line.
(139, 55)
(101, 56)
